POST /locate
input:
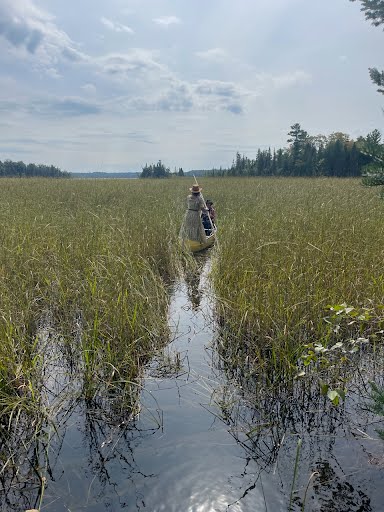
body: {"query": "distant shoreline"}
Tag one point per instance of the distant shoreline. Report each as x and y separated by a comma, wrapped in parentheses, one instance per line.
(105, 175)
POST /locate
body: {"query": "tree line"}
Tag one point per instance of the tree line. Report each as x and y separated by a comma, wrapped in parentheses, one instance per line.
(8, 168)
(335, 155)
(159, 171)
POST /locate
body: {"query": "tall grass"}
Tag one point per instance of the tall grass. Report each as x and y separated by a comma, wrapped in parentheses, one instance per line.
(94, 257)
(89, 261)
(289, 249)
(92, 260)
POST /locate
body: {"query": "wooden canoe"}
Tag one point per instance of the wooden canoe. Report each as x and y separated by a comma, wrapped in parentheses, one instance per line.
(194, 246)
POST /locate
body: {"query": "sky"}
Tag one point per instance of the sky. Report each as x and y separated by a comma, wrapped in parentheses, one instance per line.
(96, 85)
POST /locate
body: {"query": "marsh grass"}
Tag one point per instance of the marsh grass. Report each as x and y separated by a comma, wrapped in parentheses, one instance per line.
(289, 251)
(92, 260)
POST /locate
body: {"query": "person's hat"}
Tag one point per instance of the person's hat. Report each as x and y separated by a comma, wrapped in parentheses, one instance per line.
(195, 189)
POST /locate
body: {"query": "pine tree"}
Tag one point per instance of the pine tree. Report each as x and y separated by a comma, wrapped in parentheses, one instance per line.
(297, 139)
(374, 12)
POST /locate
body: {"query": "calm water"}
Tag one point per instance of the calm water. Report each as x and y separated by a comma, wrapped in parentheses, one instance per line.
(197, 445)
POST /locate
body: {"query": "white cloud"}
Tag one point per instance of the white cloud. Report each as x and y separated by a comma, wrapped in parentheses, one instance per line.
(177, 98)
(116, 26)
(215, 54)
(291, 78)
(31, 31)
(165, 21)
(182, 96)
(52, 106)
(66, 106)
(135, 60)
(218, 88)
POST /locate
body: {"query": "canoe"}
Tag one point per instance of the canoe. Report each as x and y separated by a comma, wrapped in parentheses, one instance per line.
(195, 246)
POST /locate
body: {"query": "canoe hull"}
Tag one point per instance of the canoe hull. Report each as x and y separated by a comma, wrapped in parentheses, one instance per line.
(194, 246)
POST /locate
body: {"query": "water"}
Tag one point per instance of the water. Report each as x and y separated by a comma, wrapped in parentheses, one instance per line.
(198, 446)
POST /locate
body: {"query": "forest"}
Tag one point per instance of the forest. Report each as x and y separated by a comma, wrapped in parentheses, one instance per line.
(335, 155)
(9, 169)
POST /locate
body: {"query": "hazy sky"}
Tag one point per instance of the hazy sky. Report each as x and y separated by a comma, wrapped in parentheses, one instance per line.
(110, 85)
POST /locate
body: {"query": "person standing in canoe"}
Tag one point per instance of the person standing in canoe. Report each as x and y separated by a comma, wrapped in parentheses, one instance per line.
(192, 227)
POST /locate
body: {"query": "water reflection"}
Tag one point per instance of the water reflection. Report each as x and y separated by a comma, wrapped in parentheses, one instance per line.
(333, 470)
(209, 436)
(192, 277)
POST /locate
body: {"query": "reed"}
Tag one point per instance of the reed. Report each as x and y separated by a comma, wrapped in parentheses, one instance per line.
(288, 249)
(93, 257)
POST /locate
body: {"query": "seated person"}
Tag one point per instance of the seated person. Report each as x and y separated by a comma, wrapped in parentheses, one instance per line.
(208, 217)
(206, 223)
(211, 211)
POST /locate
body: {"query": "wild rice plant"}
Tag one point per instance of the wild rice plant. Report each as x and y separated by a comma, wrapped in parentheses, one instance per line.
(289, 249)
(95, 257)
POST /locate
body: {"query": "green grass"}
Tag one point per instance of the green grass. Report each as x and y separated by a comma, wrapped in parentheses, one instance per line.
(289, 248)
(92, 259)
(96, 256)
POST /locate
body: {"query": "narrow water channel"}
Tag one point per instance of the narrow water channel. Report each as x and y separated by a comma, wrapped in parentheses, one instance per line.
(177, 455)
(198, 445)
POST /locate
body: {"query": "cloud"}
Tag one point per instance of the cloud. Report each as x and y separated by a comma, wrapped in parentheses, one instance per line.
(182, 96)
(136, 60)
(165, 21)
(89, 89)
(29, 29)
(218, 88)
(234, 108)
(177, 98)
(116, 26)
(67, 106)
(102, 135)
(73, 55)
(74, 107)
(70, 106)
(213, 54)
(218, 95)
(59, 142)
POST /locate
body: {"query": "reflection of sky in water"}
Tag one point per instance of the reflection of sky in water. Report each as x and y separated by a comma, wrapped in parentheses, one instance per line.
(179, 456)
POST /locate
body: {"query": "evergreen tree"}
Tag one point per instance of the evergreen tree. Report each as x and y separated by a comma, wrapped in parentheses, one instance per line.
(297, 139)
(20, 169)
(374, 12)
(155, 171)
(374, 148)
